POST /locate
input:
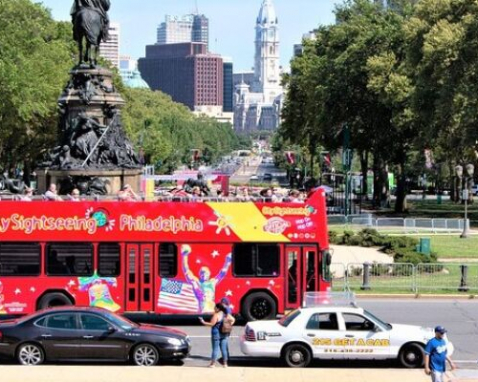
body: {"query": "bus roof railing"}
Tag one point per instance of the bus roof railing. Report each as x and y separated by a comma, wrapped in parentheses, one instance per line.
(184, 199)
(318, 299)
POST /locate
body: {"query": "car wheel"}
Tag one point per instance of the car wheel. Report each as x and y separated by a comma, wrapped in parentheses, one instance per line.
(145, 355)
(259, 306)
(297, 355)
(53, 299)
(30, 354)
(411, 356)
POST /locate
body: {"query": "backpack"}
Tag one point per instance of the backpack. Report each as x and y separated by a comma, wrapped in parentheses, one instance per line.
(226, 327)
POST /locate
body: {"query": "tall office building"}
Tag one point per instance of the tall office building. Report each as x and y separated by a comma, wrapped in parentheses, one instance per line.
(109, 49)
(200, 32)
(228, 69)
(188, 73)
(258, 103)
(188, 28)
(175, 30)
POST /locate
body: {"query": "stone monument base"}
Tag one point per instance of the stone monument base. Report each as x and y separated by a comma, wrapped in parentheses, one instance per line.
(113, 179)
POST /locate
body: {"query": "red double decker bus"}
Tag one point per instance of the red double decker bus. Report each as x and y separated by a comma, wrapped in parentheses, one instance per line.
(162, 257)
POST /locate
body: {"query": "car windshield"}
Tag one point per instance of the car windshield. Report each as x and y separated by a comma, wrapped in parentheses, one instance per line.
(286, 320)
(377, 320)
(122, 322)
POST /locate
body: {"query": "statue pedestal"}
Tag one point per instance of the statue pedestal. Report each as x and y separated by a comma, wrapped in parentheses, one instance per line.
(113, 179)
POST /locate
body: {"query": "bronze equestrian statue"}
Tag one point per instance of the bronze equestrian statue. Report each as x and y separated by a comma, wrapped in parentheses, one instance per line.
(90, 23)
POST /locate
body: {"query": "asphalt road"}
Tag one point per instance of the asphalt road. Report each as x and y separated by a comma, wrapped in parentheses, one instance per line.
(458, 316)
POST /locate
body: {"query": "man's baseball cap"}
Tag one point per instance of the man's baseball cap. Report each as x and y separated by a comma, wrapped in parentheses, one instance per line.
(440, 329)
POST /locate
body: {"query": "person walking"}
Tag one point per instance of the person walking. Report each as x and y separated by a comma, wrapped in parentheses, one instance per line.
(218, 339)
(436, 355)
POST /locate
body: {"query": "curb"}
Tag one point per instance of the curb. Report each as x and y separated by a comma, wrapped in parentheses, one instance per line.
(418, 296)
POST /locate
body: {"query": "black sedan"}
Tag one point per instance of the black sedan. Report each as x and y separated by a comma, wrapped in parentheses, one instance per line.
(88, 334)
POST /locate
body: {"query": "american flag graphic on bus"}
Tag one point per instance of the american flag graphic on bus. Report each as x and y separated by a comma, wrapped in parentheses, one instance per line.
(177, 295)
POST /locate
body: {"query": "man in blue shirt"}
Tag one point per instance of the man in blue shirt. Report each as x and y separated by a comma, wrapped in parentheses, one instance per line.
(436, 356)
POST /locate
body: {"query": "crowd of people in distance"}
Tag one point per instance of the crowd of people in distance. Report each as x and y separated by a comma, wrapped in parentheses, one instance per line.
(235, 194)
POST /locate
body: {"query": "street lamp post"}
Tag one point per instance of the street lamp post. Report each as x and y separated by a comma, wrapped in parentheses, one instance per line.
(467, 184)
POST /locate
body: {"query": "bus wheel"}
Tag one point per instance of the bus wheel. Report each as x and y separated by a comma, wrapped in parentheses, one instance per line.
(53, 299)
(259, 306)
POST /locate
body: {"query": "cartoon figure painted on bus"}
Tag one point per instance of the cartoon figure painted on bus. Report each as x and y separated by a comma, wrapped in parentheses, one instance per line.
(2, 300)
(204, 286)
(99, 291)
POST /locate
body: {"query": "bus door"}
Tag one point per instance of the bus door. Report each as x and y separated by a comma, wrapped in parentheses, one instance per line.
(140, 277)
(302, 273)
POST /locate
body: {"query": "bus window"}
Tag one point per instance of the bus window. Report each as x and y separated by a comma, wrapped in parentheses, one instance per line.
(19, 259)
(109, 260)
(168, 260)
(65, 259)
(268, 260)
(257, 260)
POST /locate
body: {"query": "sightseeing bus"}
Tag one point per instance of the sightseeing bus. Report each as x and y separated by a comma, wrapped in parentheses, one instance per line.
(163, 257)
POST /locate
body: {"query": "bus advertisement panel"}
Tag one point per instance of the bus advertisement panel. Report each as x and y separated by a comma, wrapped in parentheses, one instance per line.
(162, 257)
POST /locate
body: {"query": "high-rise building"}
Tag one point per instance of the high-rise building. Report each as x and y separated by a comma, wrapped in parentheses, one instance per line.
(175, 30)
(258, 100)
(228, 69)
(188, 73)
(188, 28)
(109, 49)
(200, 32)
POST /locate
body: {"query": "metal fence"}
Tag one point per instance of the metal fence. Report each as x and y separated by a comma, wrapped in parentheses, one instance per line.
(408, 225)
(405, 277)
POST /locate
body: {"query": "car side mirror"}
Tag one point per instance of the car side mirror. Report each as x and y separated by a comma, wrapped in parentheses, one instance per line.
(111, 329)
(376, 328)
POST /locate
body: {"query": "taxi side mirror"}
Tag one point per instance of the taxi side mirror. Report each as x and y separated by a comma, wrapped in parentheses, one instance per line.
(376, 328)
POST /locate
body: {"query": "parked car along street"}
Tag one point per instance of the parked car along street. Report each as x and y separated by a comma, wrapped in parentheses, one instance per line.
(88, 334)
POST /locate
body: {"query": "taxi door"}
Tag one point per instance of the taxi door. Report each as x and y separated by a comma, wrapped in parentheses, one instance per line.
(323, 334)
(364, 339)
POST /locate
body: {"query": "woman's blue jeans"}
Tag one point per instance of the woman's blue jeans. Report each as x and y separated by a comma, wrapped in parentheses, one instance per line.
(219, 342)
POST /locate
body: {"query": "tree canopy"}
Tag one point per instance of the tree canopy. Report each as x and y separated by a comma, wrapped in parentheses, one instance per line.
(402, 78)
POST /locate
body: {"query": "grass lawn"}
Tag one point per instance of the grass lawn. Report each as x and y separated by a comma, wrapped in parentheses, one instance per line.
(454, 246)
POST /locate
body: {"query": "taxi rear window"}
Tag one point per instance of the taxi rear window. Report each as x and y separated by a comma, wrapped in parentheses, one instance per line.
(286, 320)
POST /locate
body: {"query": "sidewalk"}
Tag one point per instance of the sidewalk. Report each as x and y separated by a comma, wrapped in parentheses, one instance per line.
(183, 374)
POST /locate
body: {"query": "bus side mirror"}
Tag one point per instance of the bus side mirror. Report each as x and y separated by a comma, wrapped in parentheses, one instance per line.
(327, 258)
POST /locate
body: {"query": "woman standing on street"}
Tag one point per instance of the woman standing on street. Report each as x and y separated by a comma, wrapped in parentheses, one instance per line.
(218, 338)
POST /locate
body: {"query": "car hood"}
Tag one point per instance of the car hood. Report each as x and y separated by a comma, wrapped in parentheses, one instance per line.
(160, 330)
(419, 332)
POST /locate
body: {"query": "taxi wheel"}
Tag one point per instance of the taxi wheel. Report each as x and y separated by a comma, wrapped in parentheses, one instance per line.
(259, 306)
(297, 355)
(411, 356)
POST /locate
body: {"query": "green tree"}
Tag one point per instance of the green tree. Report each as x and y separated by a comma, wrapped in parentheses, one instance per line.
(35, 57)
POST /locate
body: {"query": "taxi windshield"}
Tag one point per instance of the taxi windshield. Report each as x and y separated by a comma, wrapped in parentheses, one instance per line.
(286, 320)
(377, 320)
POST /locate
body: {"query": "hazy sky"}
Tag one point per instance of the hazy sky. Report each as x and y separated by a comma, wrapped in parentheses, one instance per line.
(232, 23)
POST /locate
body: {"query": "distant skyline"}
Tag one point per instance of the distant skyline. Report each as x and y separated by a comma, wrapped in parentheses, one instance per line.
(231, 23)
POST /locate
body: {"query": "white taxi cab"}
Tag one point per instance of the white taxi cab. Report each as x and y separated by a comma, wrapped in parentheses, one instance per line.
(335, 332)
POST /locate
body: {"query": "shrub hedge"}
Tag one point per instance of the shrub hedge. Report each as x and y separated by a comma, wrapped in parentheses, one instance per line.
(402, 248)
